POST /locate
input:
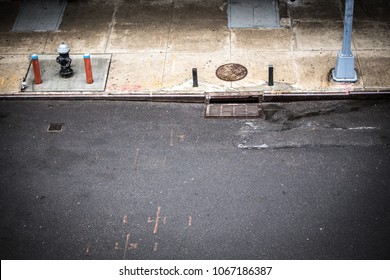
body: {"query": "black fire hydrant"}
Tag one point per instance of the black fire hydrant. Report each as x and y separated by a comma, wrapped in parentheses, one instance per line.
(64, 60)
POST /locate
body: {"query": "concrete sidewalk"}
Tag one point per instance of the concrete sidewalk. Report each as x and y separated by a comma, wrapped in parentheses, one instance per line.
(155, 44)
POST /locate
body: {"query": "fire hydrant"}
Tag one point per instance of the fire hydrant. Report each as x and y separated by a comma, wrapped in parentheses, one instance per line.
(64, 60)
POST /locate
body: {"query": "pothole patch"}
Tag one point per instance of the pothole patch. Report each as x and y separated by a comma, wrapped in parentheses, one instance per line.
(231, 72)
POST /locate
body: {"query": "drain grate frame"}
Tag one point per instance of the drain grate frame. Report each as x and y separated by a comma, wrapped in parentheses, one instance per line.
(233, 99)
(230, 110)
(231, 72)
(55, 127)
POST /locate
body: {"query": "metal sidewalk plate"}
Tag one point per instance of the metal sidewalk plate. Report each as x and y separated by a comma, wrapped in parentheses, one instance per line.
(233, 110)
(253, 14)
(39, 15)
(231, 72)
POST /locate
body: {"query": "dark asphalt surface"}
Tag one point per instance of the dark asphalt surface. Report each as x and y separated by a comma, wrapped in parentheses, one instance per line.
(127, 180)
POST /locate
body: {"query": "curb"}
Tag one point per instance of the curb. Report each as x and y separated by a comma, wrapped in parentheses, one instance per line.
(202, 98)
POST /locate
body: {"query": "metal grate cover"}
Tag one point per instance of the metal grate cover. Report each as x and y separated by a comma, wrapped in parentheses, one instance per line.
(55, 127)
(253, 14)
(233, 111)
(39, 15)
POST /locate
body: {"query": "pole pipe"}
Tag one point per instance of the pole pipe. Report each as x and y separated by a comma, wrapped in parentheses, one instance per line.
(88, 68)
(345, 63)
(36, 69)
(347, 36)
(270, 75)
(195, 77)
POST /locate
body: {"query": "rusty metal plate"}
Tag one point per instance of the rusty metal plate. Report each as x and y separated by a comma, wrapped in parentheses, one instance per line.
(233, 111)
(231, 72)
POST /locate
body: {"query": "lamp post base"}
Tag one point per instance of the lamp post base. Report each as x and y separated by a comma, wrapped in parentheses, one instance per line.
(344, 71)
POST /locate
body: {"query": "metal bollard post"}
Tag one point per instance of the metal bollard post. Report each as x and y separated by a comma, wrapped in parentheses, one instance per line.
(345, 63)
(270, 75)
(194, 77)
(36, 69)
(88, 68)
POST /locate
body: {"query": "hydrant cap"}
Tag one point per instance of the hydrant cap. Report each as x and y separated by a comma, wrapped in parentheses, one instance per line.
(63, 48)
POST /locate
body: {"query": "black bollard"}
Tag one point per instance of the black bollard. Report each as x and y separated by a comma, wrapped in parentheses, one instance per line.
(270, 75)
(194, 77)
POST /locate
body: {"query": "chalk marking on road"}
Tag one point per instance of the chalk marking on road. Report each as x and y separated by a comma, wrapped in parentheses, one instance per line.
(88, 250)
(155, 246)
(117, 247)
(182, 137)
(136, 160)
(164, 161)
(126, 245)
(156, 220)
(133, 246)
(189, 221)
(197, 139)
(171, 138)
(125, 220)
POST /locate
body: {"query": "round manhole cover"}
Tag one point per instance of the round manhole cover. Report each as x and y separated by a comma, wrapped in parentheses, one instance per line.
(231, 72)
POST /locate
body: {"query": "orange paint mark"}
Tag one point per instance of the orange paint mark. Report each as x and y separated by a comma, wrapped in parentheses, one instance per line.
(133, 246)
(182, 137)
(157, 220)
(125, 220)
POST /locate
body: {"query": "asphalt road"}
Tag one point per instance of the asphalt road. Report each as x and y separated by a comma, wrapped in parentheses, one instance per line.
(127, 180)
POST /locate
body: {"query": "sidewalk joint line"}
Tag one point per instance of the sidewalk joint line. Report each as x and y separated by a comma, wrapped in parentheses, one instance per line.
(167, 44)
(117, 3)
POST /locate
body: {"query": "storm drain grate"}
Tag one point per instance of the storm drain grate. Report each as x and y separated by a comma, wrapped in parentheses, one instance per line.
(55, 127)
(216, 110)
(231, 72)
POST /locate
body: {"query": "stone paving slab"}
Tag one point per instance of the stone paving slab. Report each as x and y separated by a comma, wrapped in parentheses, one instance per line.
(243, 40)
(136, 73)
(53, 82)
(314, 36)
(375, 69)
